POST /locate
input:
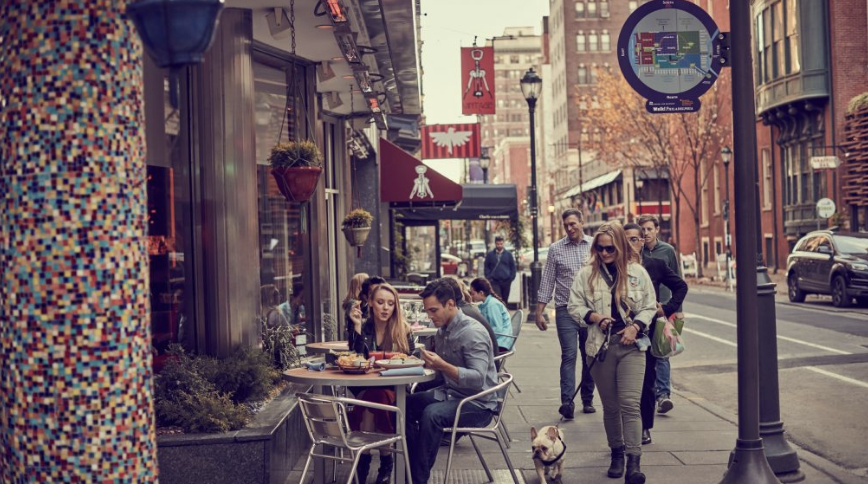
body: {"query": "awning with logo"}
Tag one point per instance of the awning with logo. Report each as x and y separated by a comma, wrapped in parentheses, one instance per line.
(480, 202)
(404, 179)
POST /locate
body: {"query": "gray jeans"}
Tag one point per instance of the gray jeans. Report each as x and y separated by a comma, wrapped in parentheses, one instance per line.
(619, 381)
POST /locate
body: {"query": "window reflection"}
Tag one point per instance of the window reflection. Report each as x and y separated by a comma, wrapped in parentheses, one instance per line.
(283, 232)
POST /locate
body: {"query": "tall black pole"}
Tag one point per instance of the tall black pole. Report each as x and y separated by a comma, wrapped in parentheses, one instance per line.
(535, 266)
(748, 464)
(726, 235)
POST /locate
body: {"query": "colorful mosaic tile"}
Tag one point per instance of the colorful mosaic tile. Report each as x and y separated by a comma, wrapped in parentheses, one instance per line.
(75, 387)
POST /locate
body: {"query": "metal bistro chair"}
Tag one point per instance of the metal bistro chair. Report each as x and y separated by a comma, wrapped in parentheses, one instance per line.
(499, 362)
(502, 392)
(515, 322)
(326, 420)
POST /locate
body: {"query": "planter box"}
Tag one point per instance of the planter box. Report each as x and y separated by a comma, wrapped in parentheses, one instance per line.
(264, 452)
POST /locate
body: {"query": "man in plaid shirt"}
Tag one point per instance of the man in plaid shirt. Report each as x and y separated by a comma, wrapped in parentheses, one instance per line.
(565, 258)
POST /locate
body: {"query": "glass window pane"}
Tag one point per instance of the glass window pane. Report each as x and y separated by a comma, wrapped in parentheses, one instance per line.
(605, 42)
(283, 236)
(580, 42)
(592, 9)
(592, 42)
(170, 236)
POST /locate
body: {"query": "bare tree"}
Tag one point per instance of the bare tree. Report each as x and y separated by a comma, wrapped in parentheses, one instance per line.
(686, 145)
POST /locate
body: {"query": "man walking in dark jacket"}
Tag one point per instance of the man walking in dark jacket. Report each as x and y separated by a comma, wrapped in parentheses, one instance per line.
(500, 269)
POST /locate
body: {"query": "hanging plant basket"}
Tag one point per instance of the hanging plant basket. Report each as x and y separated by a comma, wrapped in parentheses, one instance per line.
(356, 236)
(297, 184)
(296, 167)
(357, 227)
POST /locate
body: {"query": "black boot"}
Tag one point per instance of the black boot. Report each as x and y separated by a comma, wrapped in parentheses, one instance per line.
(363, 468)
(384, 474)
(634, 474)
(616, 468)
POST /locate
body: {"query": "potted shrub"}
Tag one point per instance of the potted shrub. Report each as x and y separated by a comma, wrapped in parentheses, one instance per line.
(296, 166)
(357, 226)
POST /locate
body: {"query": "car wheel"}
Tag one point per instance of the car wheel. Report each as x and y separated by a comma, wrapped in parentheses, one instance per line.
(839, 293)
(795, 294)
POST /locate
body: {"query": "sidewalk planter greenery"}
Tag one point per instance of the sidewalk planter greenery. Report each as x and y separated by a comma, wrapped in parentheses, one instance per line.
(357, 226)
(238, 424)
(296, 167)
(263, 452)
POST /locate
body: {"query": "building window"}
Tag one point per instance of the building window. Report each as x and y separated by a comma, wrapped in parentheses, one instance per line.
(633, 4)
(767, 178)
(583, 74)
(778, 38)
(580, 9)
(580, 41)
(592, 9)
(593, 44)
(514, 59)
(592, 76)
(605, 41)
(793, 64)
(284, 242)
(717, 189)
(604, 9)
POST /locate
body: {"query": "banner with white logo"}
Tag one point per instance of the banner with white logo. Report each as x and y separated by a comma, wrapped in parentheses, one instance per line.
(450, 141)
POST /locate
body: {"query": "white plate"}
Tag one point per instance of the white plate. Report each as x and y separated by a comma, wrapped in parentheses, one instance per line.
(392, 364)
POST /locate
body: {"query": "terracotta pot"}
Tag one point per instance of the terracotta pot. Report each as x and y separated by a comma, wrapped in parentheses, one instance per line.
(356, 236)
(297, 184)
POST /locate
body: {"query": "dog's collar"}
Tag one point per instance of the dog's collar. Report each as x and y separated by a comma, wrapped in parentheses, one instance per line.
(550, 462)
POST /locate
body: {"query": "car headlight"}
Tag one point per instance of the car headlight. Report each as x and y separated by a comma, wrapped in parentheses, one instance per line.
(859, 267)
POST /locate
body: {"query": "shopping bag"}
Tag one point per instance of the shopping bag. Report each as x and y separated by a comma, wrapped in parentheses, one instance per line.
(667, 340)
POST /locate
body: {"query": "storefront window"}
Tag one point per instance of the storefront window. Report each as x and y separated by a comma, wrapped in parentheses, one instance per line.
(169, 225)
(281, 91)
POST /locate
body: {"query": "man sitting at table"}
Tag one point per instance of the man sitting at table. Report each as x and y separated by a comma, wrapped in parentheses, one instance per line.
(464, 359)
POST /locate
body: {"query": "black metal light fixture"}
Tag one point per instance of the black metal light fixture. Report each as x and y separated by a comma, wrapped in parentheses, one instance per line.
(335, 10)
(726, 156)
(176, 33)
(531, 87)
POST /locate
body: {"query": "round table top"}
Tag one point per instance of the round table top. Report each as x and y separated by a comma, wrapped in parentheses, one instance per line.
(327, 346)
(336, 377)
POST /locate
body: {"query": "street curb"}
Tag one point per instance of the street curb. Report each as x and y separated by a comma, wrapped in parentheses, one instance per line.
(834, 471)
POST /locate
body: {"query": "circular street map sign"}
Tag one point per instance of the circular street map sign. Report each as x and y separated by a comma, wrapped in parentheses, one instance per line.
(825, 208)
(670, 53)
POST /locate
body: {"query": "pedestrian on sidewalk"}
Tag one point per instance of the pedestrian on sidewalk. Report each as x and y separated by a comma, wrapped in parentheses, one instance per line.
(565, 258)
(614, 297)
(660, 273)
(657, 249)
(464, 362)
(500, 268)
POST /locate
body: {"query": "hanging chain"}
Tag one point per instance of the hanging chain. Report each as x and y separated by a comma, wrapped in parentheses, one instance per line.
(292, 23)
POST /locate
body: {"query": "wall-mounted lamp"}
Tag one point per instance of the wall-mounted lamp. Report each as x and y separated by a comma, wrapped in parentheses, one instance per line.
(175, 33)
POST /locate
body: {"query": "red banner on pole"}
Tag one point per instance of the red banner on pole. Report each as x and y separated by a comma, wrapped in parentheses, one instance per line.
(477, 80)
(450, 141)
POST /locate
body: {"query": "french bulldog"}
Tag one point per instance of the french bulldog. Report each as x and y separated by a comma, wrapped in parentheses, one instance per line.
(549, 452)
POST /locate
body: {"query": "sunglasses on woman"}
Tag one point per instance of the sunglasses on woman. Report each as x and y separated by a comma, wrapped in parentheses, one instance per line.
(608, 249)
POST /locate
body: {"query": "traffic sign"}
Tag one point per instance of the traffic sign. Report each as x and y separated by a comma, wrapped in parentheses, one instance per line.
(825, 208)
(825, 162)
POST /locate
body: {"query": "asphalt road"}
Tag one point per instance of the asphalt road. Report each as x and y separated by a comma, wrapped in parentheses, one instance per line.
(823, 371)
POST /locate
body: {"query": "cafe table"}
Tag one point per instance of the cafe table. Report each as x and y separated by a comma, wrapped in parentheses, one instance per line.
(327, 347)
(331, 377)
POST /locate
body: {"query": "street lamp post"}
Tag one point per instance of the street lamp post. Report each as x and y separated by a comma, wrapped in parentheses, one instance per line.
(748, 464)
(726, 155)
(484, 163)
(531, 85)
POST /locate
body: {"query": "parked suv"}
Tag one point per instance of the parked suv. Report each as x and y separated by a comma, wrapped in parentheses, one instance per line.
(829, 262)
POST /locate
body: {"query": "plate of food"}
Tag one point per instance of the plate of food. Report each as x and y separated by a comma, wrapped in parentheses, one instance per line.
(399, 360)
(354, 364)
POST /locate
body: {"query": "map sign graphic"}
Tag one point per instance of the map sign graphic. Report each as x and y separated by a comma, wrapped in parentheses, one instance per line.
(670, 52)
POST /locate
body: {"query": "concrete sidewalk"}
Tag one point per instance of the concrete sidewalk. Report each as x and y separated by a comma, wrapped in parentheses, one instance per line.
(691, 444)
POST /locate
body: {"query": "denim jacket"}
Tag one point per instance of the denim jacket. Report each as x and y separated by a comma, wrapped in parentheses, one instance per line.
(641, 299)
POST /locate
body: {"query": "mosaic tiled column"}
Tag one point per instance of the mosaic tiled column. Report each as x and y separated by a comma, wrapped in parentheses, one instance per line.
(75, 367)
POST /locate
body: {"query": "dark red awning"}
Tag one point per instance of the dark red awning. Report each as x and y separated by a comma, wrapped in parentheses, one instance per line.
(405, 179)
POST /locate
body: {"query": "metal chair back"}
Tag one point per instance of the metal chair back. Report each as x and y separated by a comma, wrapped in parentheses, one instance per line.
(325, 418)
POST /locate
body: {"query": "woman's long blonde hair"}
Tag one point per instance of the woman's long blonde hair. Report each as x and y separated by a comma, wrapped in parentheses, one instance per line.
(355, 287)
(397, 326)
(624, 254)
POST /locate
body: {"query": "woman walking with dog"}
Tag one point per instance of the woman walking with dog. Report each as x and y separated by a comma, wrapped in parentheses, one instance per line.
(613, 296)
